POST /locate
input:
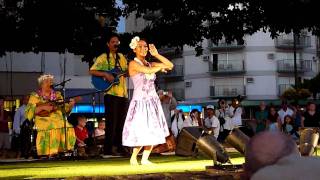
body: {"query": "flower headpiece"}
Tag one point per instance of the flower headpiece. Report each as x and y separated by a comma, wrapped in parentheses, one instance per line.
(134, 42)
(44, 77)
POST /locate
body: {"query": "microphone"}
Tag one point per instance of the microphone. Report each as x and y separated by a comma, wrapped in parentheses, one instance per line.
(117, 45)
(60, 84)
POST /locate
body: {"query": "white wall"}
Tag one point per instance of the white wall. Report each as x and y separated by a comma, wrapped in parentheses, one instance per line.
(200, 88)
(262, 86)
(195, 65)
(258, 61)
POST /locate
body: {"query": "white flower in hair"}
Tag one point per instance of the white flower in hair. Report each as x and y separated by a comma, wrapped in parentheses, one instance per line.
(44, 77)
(134, 42)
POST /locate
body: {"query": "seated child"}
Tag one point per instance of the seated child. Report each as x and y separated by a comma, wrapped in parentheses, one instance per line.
(99, 133)
(82, 135)
(289, 128)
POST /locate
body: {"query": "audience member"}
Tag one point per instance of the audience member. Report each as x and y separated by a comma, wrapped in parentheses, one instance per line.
(275, 156)
(177, 122)
(311, 117)
(285, 110)
(274, 122)
(211, 122)
(193, 120)
(19, 118)
(4, 130)
(261, 117)
(224, 118)
(289, 127)
(82, 136)
(100, 130)
(297, 114)
(168, 103)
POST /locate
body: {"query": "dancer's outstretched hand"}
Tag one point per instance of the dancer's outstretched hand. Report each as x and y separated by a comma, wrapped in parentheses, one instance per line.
(153, 50)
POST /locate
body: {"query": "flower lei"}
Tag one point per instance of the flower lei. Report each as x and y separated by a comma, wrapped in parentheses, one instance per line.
(52, 97)
(134, 42)
(148, 76)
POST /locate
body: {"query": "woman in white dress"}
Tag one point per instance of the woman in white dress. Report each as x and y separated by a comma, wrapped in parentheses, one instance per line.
(145, 124)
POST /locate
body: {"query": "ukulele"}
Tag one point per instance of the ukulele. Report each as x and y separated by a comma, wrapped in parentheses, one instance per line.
(55, 104)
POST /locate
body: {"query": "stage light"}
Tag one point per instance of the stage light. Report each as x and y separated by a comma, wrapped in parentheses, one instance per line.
(238, 140)
(308, 141)
(211, 147)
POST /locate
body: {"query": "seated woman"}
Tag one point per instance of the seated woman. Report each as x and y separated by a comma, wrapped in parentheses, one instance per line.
(45, 108)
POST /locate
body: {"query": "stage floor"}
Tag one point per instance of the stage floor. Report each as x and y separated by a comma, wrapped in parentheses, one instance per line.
(166, 167)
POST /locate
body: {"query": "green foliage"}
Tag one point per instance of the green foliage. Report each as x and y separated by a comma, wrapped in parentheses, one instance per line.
(296, 94)
(59, 25)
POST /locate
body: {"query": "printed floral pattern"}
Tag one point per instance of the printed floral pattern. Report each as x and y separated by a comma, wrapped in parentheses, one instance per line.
(145, 122)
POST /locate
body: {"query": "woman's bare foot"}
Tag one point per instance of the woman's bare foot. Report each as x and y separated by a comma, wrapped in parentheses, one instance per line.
(133, 162)
(146, 162)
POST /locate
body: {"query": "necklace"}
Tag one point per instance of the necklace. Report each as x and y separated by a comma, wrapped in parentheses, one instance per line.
(148, 76)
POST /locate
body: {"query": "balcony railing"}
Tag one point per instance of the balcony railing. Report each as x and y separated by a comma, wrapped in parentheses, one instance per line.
(178, 94)
(283, 87)
(286, 41)
(227, 90)
(227, 66)
(287, 65)
(222, 44)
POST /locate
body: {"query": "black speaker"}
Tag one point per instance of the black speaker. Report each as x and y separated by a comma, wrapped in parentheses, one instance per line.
(210, 147)
(309, 138)
(187, 141)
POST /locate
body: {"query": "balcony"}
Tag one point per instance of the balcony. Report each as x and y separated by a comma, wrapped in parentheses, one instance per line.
(179, 94)
(283, 87)
(286, 42)
(287, 66)
(223, 45)
(176, 74)
(227, 67)
(227, 90)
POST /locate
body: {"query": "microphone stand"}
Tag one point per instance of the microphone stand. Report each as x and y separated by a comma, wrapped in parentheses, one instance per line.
(64, 116)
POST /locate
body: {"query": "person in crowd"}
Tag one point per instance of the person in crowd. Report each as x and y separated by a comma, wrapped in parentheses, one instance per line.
(168, 103)
(285, 110)
(261, 117)
(274, 155)
(235, 112)
(311, 118)
(274, 122)
(82, 136)
(290, 128)
(99, 133)
(116, 97)
(145, 124)
(211, 122)
(100, 130)
(193, 120)
(19, 118)
(297, 114)
(224, 118)
(4, 130)
(177, 122)
(45, 109)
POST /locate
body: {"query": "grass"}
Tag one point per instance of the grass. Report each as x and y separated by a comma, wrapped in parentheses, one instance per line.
(105, 167)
